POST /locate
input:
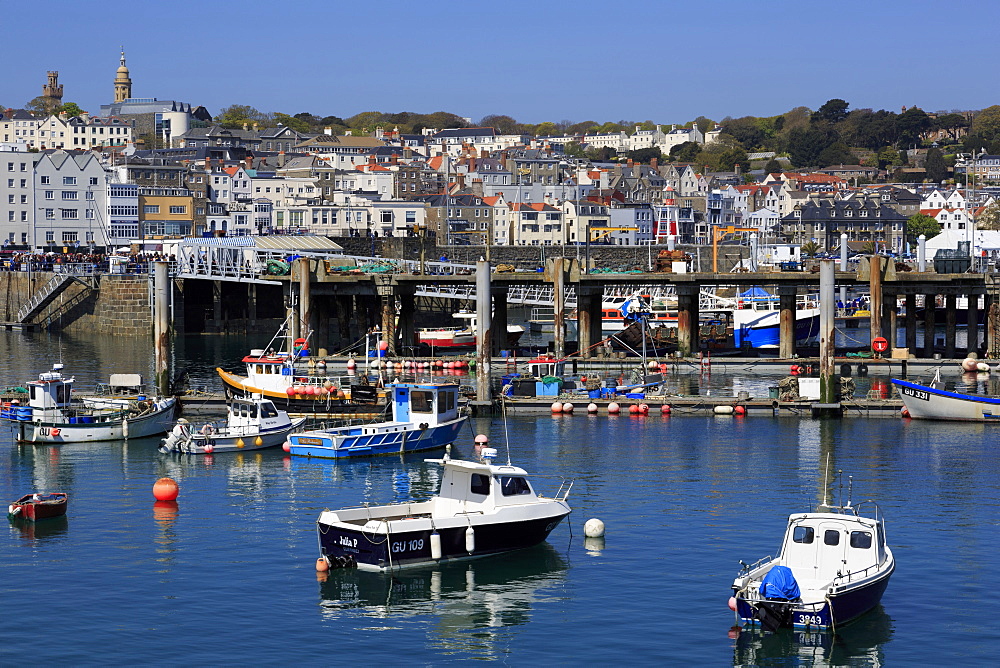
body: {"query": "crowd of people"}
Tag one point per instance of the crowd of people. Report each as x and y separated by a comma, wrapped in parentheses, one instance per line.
(131, 263)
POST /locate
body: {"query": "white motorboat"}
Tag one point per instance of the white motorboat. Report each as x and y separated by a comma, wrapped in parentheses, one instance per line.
(52, 416)
(933, 403)
(252, 423)
(481, 508)
(833, 567)
(463, 336)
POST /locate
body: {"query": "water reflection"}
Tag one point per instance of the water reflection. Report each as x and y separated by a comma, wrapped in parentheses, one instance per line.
(858, 644)
(35, 532)
(468, 602)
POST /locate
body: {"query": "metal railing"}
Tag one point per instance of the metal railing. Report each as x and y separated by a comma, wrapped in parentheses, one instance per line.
(65, 274)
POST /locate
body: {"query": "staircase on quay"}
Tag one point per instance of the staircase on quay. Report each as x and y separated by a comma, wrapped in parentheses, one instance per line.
(55, 286)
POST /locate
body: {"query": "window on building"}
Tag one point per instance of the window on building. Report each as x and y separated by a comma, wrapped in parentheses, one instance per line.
(50, 214)
(69, 180)
(69, 237)
(70, 194)
(70, 214)
(45, 180)
(151, 208)
(50, 236)
(178, 210)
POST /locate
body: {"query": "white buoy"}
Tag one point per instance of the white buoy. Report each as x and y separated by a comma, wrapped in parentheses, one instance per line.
(969, 364)
(470, 540)
(591, 407)
(567, 407)
(436, 546)
(983, 366)
(723, 410)
(557, 407)
(594, 528)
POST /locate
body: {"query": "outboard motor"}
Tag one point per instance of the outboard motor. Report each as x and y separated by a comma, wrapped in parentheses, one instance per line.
(780, 592)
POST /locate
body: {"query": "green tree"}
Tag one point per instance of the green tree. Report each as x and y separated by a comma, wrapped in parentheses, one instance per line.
(71, 109)
(41, 106)
(951, 123)
(546, 129)
(805, 146)
(911, 125)
(704, 124)
(747, 130)
(918, 224)
(645, 154)
(573, 149)
(834, 111)
(236, 115)
(935, 166)
(685, 152)
(810, 248)
(773, 167)
(366, 121)
(986, 124)
(836, 153)
(504, 125)
(292, 122)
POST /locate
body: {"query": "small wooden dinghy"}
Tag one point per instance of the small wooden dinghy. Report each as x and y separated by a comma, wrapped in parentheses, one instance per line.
(38, 506)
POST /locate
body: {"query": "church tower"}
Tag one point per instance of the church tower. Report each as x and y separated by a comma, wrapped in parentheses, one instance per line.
(123, 84)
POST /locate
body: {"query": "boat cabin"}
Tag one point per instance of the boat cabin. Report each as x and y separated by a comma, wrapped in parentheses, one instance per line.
(427, 403)
(541, 367)
(51, 391)
(252, 412)
(469, 485)
(819, 547)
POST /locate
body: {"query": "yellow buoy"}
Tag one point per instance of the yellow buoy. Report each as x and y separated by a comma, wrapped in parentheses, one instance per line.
(258, 441)
(239, 443)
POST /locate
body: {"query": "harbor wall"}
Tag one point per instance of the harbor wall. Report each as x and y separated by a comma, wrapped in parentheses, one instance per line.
(120, 306)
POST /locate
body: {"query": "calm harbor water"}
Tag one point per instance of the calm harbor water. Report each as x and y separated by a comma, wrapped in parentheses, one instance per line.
(227, 577)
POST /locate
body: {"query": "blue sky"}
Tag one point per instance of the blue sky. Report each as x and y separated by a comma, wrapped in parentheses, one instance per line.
(547, 60)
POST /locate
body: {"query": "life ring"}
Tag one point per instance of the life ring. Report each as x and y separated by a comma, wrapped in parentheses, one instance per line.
(880, 344)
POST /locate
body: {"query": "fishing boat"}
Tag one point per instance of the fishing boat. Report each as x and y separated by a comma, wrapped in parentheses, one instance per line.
(252, 423)
(757, 319)
(424, 416)
(930, 402)
(463, 336)
(833, 567)
(35, 507)
(52, 416)
(480, 509)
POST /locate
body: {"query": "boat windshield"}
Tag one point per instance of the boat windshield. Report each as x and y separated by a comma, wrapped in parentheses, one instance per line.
(267, 410)
(513, 485)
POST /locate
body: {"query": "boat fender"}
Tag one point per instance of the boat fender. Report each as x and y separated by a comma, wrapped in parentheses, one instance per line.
(423, 426)
(794, 370)
(436, 546)
(470, 540)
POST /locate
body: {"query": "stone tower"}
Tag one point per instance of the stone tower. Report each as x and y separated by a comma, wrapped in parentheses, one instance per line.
(123, 84)
(53, 91)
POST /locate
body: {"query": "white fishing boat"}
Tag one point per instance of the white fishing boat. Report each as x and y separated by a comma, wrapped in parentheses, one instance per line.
(834, 566)
(481, 508)
(424, 416)
(52, 416)
(930, 402)
(252, 423)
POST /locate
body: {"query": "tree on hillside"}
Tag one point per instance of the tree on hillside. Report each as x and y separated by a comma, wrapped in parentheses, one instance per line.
(236, 115)
(704, 124)
(644, 155)
(365, 122)
(504, 125)
(41, 106)
(918, 224)
(546, 129)
(747, 130)
(935, 166)
(71, 109)
(834, 111)
(951, 123)
(805, 146)
(296, 124)
(579, 128)
(685, 152)
(836, 153)
(869, 129)
(911, 124)
(986, 123)
(573, 149)
(773, 167)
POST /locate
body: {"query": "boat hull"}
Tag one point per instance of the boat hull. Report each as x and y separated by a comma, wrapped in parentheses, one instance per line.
(410, 439)
(355, 547)
(929, 403)
(237, 386)
(837, 610)
(199, 443)
(155, 422)
(762, 329)
(52, 505)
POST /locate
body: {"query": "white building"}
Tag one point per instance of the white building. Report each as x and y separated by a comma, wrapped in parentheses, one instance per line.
(71, 195)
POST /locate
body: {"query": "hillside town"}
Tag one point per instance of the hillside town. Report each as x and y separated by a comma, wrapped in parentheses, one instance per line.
(145, 170)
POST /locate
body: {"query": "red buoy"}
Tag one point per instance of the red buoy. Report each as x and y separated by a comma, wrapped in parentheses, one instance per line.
(664, 409)
(739, 410)
(165, 489)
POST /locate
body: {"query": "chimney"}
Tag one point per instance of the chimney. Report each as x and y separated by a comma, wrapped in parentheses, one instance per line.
(281, 158)
(248, 161)
(328, 131)
(653, 163)
(477, 187)
(407, 153)
(444, 147)
(472, 163)
(63, 116)
(246, 126)
(394, 159)
(629, 163)
(85, 117)
(483, 154)
(460, 181)
(255, 126)
(208, 165)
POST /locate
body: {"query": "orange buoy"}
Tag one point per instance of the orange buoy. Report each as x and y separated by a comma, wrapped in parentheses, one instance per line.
(794, 370)
(165, 489)
(287, 446)
(739, 410)
(322, 565)
(644, 408)
(664, 409)
(633, 409)
(904, 412)
(557, 407)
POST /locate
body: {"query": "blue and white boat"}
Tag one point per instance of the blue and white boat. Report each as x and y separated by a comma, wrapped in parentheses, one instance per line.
(833, 567)
(929, 402)
(424, 416)
(757, 319)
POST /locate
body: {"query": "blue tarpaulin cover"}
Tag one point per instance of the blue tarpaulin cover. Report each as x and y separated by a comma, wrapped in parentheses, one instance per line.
(779, 583)
(756, 293)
